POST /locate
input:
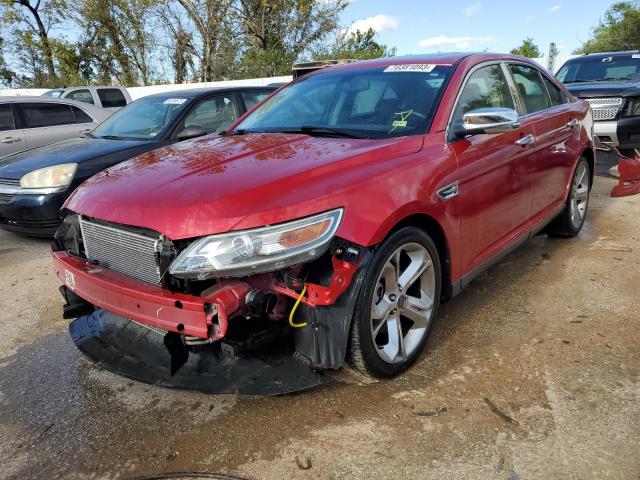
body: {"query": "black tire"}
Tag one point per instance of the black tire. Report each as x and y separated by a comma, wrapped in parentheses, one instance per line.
(565, 224)
(363, 354)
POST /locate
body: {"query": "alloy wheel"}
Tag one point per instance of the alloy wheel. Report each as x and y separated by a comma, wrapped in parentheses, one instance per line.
(403, 301)
(579, 195)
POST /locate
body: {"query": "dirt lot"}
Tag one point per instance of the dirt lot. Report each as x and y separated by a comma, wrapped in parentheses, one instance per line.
(533, 372)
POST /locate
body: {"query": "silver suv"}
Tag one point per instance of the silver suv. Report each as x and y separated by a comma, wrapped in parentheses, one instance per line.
(112, 98)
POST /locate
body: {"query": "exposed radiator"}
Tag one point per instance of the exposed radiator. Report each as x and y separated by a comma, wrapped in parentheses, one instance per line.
(126, 252)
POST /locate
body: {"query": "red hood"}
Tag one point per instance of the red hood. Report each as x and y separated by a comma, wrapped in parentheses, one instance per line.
(212, 185)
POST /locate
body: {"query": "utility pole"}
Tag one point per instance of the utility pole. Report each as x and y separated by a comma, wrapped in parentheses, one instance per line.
(553, 55)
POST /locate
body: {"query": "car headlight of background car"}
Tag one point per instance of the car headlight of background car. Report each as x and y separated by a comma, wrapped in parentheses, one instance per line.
(257, 250)
(633, 107)
(50, 177)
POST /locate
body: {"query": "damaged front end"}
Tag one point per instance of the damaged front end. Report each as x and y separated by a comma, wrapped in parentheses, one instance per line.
(231, 312)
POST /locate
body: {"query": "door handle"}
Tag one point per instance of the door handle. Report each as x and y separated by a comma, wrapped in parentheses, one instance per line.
(86, 130)
(526, 140)
(572, 123)
(10, 139)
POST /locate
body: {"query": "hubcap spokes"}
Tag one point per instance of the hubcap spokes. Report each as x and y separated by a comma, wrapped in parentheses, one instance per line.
(403, 302)
(579, 195)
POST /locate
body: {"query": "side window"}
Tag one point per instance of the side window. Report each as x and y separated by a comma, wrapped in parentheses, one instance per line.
(213, 114)
(111, 98)
(251, 98)
(6, 118)
(530, 87)
(557, 97)
(81, 116)
(80, 96)
(486, 87)
(46, 114)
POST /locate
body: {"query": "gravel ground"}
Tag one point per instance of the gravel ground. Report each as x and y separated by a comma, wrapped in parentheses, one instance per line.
(533, 372)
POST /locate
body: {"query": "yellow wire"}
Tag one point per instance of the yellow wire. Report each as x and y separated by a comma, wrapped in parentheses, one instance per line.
(295, 307)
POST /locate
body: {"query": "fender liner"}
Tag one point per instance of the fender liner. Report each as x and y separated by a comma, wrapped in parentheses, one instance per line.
(323, 342)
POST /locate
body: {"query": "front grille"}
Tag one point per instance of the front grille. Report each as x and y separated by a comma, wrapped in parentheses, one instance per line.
(605, 102)
(9, 181)
(5, 197)
(126, 252)
(604, 113)
(605, 108)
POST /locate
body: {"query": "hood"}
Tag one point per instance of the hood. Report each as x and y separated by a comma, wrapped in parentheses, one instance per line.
(609, 88)
(75, 150)
(209, 185)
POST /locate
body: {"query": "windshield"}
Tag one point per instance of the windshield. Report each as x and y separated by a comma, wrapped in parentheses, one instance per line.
(588, 69)
(144, 119)
(360, 102)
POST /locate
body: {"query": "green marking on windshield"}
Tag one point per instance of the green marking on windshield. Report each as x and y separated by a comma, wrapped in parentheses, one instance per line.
(402, 122)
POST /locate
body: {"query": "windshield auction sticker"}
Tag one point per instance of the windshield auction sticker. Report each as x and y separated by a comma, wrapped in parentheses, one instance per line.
(418, 67)
(174, 101)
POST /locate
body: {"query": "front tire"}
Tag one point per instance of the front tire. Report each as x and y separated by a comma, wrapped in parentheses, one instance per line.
(571, 219)
(399, 298)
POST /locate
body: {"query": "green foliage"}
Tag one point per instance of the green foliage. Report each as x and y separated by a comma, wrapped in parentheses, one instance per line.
(618, 30)
(357, 45)
(527, 49)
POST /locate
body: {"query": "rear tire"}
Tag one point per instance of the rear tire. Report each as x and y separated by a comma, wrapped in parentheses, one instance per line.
(399, 299)
(570, 221)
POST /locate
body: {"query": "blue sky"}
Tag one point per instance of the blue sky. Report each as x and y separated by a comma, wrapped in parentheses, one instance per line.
(423, 26)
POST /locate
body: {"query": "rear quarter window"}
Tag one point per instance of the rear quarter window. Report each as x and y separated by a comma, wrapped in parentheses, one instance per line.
(111, 98)
(81, 116)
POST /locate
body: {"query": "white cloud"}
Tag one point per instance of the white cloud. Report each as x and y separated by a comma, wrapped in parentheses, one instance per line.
(461, 43)
(555, 8)
(379, 23)
(472, 9)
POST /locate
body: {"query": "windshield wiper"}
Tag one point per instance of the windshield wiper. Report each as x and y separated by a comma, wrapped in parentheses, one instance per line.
(113, 137)
(237, 131)
(320, 131)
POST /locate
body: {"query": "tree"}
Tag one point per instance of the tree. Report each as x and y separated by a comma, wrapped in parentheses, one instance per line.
(356, 45)
(276, 33)
(32, 21)
(527, 49)
(118, 38)
(618, 30)
(6, 74)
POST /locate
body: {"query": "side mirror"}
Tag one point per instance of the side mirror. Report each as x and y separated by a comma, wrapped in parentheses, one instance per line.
(487, 120)
(192, 131)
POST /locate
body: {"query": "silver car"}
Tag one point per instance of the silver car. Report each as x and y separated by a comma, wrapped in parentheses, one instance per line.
(29, 122)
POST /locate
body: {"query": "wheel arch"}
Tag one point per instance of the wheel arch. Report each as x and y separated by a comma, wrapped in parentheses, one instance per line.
(590, 155)
(433, 228)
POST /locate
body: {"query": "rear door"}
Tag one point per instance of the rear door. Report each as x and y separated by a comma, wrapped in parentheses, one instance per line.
(555, 123)
(46, 123)
(494, 180)
(11, 138)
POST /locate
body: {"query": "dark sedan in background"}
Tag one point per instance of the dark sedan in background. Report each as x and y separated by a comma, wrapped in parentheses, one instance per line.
(34, 184)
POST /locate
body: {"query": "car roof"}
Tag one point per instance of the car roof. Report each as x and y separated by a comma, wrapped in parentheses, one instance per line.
(452, 58)
(198, 92)
(608, 54)
(41, 99)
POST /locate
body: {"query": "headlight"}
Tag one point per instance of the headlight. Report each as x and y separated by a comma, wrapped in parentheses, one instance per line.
(258, 250)
(633, 107)
(50, 177)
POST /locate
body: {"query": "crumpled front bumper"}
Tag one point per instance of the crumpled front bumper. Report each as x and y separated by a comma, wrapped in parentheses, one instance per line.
(133, 299)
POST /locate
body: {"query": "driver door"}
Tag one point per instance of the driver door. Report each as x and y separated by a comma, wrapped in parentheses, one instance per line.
(494, 172)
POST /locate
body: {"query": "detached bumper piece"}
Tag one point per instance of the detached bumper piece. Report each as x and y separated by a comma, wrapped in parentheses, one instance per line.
(629, 181)
(134, 351)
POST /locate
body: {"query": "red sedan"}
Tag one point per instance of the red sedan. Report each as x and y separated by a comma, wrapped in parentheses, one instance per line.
(343, 208)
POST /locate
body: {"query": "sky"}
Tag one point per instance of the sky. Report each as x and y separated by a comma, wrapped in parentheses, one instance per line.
(425, 26)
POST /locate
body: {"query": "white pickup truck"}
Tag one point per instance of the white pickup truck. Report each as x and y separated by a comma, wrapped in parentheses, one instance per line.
(112, 97)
